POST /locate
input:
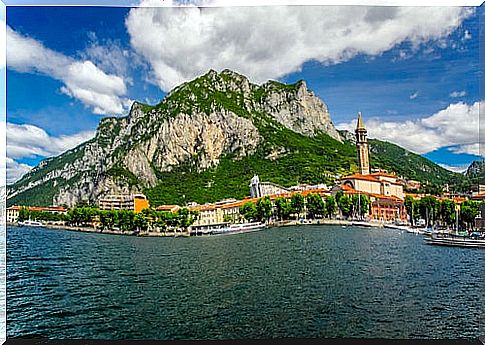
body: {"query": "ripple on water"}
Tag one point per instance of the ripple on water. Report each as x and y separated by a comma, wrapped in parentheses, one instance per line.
(288, 282)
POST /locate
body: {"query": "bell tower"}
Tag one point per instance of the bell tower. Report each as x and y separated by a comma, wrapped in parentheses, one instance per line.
(362, 146)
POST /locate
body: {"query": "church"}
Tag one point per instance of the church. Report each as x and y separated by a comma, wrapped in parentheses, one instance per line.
(385, 190)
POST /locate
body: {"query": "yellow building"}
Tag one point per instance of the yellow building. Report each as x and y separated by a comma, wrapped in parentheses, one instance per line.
(208, 214)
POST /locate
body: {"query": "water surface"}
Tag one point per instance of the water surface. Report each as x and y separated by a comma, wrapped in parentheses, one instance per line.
(306, 281)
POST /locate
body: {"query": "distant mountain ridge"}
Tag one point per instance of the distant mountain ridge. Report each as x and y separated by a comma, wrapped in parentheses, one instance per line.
(204, 141)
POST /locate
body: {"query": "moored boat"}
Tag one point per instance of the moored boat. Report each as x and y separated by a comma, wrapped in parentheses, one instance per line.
(455, 240)
(31, 223)
(244, 227)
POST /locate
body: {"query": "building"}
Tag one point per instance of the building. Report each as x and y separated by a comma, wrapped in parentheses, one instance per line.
(259, 189)
(362, 146)
(208, 214)
(168, 208)
(382, 207)
(479, 188)
(376, 183)
(133, 202)
(386, 191)
(13, 211)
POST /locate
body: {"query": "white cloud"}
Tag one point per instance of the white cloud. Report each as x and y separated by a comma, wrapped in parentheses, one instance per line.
(269, 42)
(30, 141)
(454, 168)
(15, 170)
(414, 95)
(3, 36)
(457, 125)
(83, 80)
(456, 94)
(471, 149)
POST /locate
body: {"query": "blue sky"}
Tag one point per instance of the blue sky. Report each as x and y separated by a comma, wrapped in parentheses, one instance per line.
(416, 86)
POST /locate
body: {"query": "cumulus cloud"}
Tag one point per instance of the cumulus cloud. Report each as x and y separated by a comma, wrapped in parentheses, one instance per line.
(456, 125)
(270, 42)
(83, 80)
(456, 94)
(28, 141)
(15, 170)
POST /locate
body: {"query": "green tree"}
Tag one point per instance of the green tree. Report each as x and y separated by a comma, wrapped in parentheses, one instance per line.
(345, 205)
(264, 209)
(447, 212)
(283, 208)
(428, 209)
(469, 210)
(140, 221)
(315, 206)
(24, 214)
(362, 202)
(409, 204)
(297, 203)
(330, 205)
(249, 211)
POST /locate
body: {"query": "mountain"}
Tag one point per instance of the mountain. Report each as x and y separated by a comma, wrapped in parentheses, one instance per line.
(476, 172)
(204, 141)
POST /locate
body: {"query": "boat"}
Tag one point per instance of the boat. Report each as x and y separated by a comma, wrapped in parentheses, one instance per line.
(31, 223)
(240, 228)
(226, 228)
(456, 240)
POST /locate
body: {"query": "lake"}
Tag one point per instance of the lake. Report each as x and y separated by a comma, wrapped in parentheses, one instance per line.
(290, 282)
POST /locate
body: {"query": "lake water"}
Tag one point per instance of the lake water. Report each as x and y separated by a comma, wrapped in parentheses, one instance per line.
(305, 281)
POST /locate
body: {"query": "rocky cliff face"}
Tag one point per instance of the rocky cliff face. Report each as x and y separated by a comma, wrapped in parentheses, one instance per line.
(197, 123)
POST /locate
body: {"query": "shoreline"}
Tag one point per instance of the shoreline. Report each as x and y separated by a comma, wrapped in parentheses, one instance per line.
(276, 224)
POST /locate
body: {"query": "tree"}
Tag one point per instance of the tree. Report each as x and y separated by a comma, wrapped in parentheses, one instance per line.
(447, 212)
(315, 206)
(264, 209)
(428, 209)
(297, 203)
(410, 203)
(283, 208)
(469, 210)
(140, 221)
(186, 219)
(330, 205)
(249, 211)
(360, 202)
(345, 205)
(24, 214)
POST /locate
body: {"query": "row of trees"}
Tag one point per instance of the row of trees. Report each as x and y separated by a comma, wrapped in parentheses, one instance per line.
(443, 212)
(355, 206)
(124, 220)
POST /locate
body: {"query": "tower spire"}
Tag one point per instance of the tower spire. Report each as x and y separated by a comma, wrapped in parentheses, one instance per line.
(360, 123)
(362, 146)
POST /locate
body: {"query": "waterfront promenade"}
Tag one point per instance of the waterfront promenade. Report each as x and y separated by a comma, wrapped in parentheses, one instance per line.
(187, 233)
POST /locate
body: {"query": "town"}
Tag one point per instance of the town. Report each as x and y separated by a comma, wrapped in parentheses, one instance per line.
(371, 197)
